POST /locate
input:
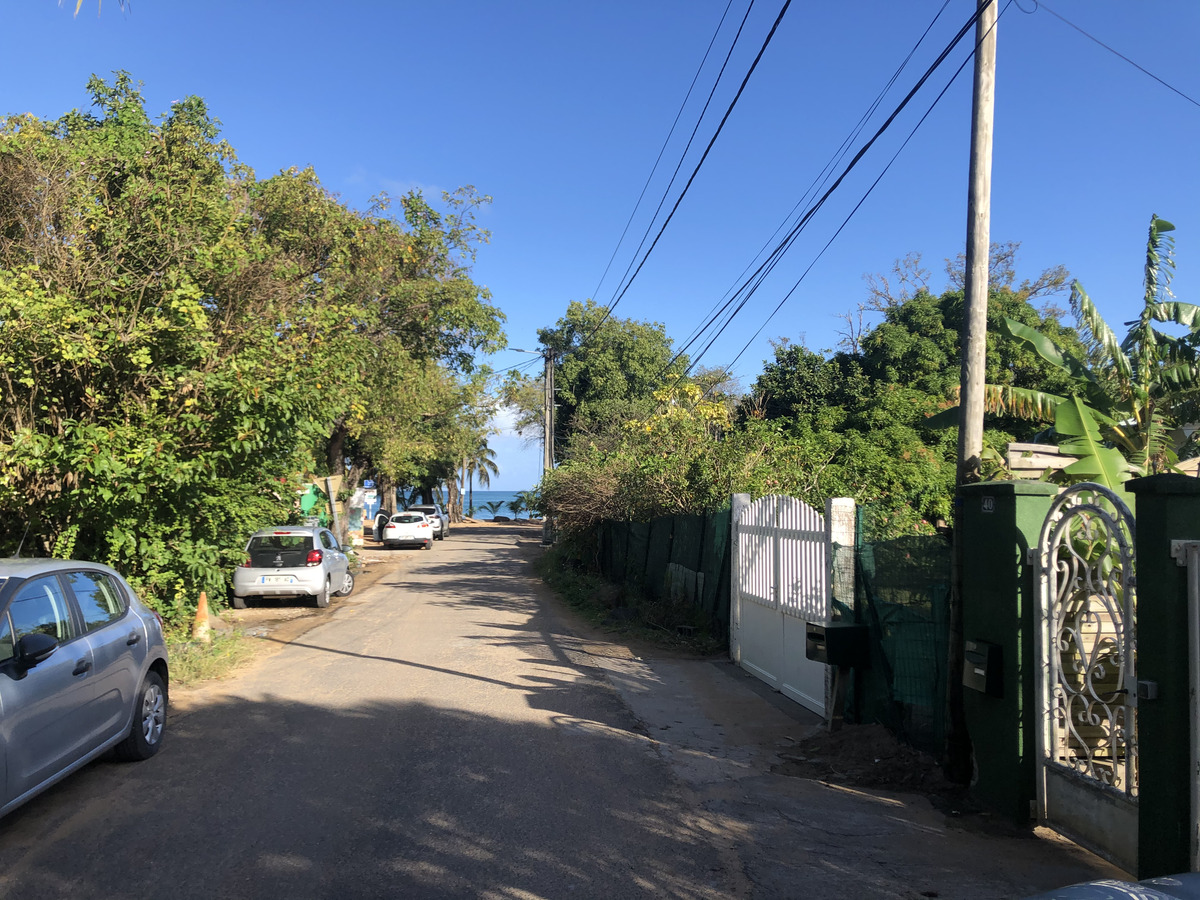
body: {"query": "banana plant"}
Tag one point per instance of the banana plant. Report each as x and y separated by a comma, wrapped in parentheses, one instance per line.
(1129, 394)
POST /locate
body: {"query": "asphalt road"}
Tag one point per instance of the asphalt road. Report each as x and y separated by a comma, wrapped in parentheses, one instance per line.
(447, 732)
(437, 736)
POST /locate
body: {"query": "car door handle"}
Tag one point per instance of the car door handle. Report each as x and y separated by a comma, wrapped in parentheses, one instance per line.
(133, 639)
(82, 667)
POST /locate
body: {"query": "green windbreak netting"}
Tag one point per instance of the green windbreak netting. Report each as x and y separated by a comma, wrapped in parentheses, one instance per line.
(902, 593)
(682, 560)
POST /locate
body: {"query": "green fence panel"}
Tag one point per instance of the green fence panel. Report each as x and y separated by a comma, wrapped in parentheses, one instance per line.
(715, 564)
(637, 555)
(658, 556)
(903, 591)
(637, 543)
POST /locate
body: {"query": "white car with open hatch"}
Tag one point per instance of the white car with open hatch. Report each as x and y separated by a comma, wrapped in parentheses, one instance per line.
(409, 528)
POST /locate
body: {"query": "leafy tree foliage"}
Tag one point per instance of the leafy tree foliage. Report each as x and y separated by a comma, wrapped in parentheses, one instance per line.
(606, 369)
(176, 336)
(815, 426)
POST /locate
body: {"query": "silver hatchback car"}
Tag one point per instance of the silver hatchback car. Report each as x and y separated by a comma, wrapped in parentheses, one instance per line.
(83, 670)
(293, 561)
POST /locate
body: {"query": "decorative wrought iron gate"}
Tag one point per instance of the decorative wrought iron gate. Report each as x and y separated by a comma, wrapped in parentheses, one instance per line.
(779, 584)
(1087, 681)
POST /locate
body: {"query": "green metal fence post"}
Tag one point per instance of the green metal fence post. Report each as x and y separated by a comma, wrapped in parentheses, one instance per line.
(1168, 509)
(1001, 521)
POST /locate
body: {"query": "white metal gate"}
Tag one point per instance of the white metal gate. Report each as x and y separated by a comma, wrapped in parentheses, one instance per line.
(1087, 682)
(779, 584)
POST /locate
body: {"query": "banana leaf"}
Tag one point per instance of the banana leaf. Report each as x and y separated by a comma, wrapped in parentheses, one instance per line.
(1079, 434)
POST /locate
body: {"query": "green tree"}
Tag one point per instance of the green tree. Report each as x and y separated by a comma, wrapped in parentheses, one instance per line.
(176, 337)
(606, 368)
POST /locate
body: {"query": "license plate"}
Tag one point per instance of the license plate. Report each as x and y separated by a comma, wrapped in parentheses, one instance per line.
(278, 579)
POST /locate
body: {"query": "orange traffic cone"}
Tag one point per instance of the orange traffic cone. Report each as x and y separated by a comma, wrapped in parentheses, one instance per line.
(201, 628)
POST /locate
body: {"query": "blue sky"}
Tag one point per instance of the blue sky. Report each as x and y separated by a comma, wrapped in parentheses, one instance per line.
(559, 109)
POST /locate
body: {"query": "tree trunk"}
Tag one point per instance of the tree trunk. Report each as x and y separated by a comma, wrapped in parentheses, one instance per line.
(337, 449)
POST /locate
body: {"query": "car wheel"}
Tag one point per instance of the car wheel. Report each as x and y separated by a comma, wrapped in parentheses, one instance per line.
(149, 721)
(323, 597)
(347, 585)
(239, 602)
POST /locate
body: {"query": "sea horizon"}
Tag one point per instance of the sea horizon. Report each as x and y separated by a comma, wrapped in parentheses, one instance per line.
(483, 497)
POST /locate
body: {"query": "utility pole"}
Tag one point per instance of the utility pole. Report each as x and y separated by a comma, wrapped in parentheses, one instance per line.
(548, 415)
(548, 445)
(973, 347)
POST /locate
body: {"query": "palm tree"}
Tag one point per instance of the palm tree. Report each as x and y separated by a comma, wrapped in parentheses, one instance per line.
(481, 463)
(531, 500)
(1130, 393)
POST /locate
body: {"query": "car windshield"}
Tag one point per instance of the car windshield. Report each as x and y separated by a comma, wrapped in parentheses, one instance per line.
(408, 518)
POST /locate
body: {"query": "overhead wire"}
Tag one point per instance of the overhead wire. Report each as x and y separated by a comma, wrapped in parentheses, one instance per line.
(725, 118)
(671, 132)
(861, 201)
(1038, 4)
(821, 179)
(751, 285)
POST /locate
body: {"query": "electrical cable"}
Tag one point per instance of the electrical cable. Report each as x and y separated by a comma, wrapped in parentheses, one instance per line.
(608, 312)
(529, 363)
(821, 179)
(695, 78)
(687, 148)
(1040, 5)
(751, 285)
(846, 221)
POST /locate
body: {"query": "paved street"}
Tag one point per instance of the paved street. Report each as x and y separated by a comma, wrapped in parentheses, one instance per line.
(448, 732)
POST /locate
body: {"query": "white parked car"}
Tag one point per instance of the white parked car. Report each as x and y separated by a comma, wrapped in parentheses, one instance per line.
(441, 521)
(407, 529)
(293, 561)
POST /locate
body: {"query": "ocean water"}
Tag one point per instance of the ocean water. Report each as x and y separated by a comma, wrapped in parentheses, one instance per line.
(482, 498)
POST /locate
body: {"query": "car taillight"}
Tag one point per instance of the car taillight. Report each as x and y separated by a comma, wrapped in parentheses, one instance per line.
(313, 558)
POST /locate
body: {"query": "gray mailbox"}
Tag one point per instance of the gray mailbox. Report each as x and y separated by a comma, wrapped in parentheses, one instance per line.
(983, 668)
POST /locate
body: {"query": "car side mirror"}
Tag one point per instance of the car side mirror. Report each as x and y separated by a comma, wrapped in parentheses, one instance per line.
(34, 648)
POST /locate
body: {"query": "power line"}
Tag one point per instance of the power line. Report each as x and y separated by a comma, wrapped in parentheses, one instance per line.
(696, 171)
(1040, 5)
(683, 155)
(821, 179)
(752, 284)
(868, 193)
(670, 134)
